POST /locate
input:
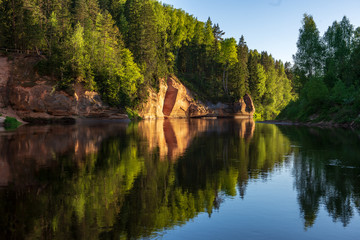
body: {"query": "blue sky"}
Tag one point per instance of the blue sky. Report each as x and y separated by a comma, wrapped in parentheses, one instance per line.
(270, 25)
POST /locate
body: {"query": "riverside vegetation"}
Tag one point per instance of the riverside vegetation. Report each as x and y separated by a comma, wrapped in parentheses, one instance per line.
(326, 74)
(122, 48)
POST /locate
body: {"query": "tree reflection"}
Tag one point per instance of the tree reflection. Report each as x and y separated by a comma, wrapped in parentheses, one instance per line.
(326, 170)
(116, 181)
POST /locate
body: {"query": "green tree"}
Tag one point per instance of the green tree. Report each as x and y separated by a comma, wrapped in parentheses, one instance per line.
(310, 51)
(239, 75)
(316, 91)
(254, 60)
(261, 83)
(79, 59)
(227, 57)
(339, 43)
(142, 38)
(117, 76)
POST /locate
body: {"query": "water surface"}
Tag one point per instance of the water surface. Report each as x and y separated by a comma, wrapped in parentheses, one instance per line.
(179, 179)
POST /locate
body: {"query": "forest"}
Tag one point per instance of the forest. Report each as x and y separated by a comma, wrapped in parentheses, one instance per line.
(121, 48)
(326, 74)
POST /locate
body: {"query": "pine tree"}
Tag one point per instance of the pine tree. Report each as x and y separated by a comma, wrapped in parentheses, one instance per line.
(239, 75)
(142, 38)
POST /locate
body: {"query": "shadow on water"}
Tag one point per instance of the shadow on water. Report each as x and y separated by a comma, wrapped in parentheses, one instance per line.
(129, 181)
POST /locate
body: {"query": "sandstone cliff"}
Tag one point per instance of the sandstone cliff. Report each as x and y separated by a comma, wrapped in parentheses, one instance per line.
(26, 95)
(174, 100)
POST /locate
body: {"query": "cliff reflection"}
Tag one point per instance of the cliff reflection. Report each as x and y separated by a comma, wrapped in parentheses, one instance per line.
(173, 137)
(30, 148)
(326, 170)
(113, 181)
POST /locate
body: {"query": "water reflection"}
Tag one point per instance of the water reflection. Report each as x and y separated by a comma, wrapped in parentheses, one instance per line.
(27, 150)
(173, 137)
(130, 181)
(327, 171)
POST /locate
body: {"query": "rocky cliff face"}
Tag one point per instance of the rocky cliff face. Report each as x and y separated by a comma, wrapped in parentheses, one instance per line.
(4, 76)
(174, 100)
(26, 95)
(35, 98)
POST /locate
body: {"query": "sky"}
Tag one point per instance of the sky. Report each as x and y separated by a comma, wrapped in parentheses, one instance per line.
(270, 25)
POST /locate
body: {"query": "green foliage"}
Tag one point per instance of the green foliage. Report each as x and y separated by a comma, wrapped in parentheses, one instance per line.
(331, 94)
(11, 123)
(308, 58)
(315, 91)
(339, 93)
(121, 48)
(132, 114)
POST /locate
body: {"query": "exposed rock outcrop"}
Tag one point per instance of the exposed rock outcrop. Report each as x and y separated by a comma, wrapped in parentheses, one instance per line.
(35, 98)
(174, 100)
(4, 76)
(244, 108)
(26, 95)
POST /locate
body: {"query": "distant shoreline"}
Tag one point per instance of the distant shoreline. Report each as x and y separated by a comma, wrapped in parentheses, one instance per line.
(313, 124)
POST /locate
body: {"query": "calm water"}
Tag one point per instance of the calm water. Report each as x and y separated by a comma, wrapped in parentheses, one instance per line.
(179, 179)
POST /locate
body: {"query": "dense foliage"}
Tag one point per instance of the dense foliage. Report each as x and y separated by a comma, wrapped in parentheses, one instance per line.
(121, 47)
(328, 73)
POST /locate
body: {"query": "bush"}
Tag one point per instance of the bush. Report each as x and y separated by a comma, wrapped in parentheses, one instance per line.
(11, 123)
(338, 92)
(132, 114)
(316, 91)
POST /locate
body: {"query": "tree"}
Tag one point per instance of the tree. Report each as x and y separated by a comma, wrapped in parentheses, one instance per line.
(239, 75)
(142, 38)
(79, 60)
(254, 59)
(116, 74)
(316, 91)
(309, 56)
(339, 42)
(218, 33)
(355, 58)
(228, 57)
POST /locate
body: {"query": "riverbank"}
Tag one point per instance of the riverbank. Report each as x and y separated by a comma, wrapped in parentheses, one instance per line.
(30, 97)
(352, 125)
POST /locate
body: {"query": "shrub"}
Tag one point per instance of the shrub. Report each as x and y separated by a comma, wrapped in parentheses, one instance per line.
(316, 91)
(132, 114)
(11, 123)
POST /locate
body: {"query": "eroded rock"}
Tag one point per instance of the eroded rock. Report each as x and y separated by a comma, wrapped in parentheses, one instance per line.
(245, 107)
(36, 98)
(174, 100)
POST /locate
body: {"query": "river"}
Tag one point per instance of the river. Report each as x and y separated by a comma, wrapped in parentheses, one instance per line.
(179, 179)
